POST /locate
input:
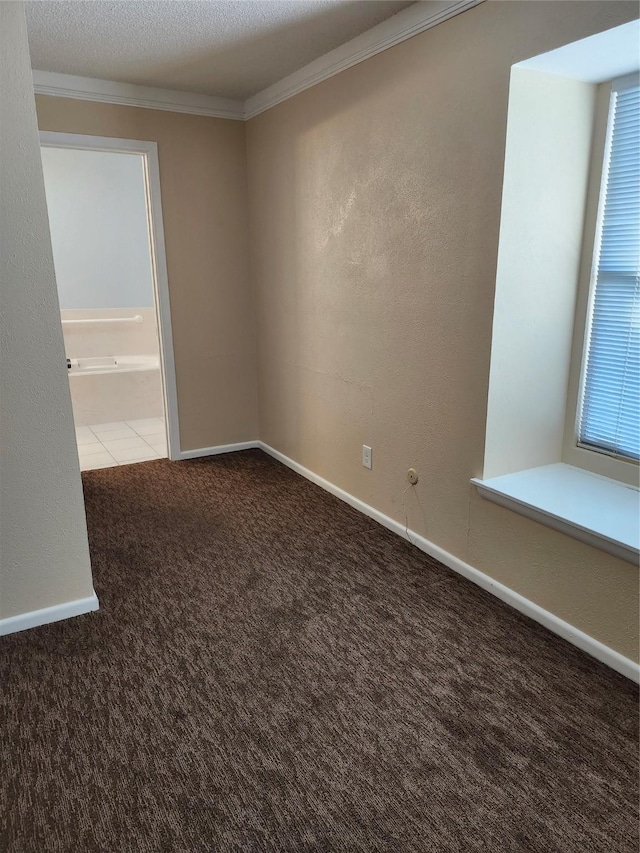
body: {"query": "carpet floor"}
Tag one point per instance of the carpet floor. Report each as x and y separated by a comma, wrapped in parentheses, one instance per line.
(269, 670)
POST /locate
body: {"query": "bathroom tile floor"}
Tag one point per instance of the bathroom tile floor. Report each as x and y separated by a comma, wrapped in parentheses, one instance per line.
(121, 443)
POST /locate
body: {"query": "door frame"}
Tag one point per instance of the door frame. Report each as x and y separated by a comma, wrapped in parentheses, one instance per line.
(151, 171)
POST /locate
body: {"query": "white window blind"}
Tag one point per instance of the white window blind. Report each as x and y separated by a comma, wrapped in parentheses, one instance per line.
(610, 413)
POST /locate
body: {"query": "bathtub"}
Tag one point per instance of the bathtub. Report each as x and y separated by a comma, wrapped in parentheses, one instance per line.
(115, 388)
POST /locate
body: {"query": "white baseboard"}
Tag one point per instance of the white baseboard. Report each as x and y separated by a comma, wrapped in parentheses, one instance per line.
(553, 623)
(34, 618)
(220, 448)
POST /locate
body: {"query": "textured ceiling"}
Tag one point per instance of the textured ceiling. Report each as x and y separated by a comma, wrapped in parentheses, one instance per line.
(229, 49)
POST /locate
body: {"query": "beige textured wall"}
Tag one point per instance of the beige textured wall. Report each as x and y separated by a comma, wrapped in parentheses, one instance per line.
(204, 205)
(375, 208)
(44, 552)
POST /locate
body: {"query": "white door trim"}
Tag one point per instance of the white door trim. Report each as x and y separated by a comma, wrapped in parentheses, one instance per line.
(149, 152)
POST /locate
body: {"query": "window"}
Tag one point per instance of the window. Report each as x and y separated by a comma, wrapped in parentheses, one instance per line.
(563, 408)
(609, 411)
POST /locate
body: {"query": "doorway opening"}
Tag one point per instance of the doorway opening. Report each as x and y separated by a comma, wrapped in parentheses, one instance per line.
(105, 215)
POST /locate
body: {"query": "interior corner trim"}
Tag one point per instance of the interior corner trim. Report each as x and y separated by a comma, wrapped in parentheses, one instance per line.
(402, 26)
(128, 94)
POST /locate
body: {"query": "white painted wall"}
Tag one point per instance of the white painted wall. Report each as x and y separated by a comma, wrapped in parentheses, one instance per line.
(44, 554)
(547, 160)
(98, 221)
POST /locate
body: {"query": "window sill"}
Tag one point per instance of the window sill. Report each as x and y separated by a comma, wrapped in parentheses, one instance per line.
(595, 509)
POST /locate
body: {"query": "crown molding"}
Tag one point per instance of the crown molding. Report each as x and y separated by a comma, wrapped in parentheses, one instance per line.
(402, 26)
(406, 24)
(148, 97)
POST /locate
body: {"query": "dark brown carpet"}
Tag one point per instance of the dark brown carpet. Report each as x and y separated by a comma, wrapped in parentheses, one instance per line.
(272, 671)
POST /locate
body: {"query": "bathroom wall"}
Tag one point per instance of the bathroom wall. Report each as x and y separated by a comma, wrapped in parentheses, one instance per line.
(89, 341)
(99, 228)
(44, 553)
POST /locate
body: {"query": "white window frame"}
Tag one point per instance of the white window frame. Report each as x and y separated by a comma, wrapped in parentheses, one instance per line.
(592, 459)
(541, 473)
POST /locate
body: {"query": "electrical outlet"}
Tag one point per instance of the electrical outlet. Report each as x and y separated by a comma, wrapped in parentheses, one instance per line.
(366, 456)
